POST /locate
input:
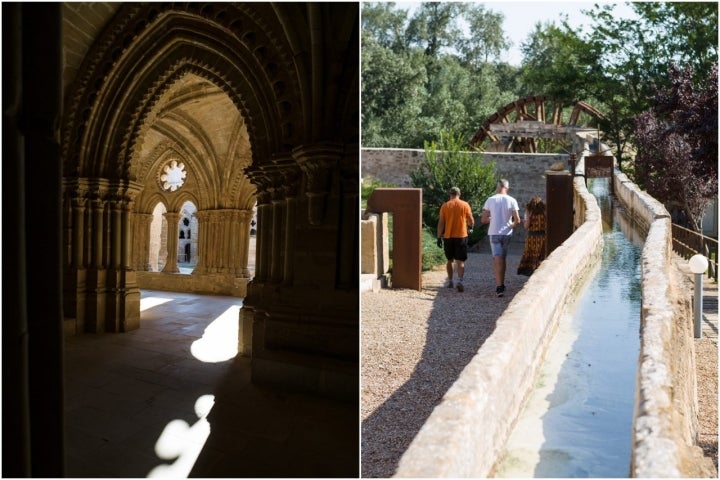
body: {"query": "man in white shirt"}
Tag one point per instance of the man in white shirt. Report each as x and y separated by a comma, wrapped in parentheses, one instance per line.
(501, 212)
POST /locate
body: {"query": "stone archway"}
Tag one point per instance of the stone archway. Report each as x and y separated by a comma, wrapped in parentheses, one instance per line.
(259, 103)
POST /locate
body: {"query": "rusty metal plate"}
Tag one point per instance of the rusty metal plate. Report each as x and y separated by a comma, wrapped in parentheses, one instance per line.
(599, 166)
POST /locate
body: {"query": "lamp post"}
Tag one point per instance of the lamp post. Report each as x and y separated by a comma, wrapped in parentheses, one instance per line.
(698, 264)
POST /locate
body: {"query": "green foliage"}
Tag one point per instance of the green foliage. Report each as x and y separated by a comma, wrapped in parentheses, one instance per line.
(633, 56)
(393, 92)
(449, 164)
(432, 256)
(487, 40)
(414, 84)
(422, 74)
(677, 158)
(368, 186)
(555, 62)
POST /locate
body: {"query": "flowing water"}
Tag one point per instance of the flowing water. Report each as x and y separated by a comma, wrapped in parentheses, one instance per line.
(578, 419)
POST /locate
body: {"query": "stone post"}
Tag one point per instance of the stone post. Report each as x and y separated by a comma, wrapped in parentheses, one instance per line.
(171, 265)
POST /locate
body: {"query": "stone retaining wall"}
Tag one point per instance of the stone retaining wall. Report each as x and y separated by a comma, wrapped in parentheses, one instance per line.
(525, 171)
(202, 284)
(467, 431)
(666, 406)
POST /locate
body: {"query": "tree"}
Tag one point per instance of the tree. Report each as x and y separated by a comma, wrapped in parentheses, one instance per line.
(632, 56)
(487, 39)
(393, 94)
(555, 63)
(449, 164)
(385, 25)
(677, 143)
(434, 26)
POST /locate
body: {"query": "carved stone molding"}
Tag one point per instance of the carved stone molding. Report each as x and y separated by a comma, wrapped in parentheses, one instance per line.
(318, 162)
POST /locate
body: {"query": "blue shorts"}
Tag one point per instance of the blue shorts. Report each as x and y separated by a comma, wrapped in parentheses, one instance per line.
(499, 245)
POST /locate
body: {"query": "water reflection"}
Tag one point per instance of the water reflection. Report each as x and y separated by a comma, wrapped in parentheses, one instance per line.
(578, 421)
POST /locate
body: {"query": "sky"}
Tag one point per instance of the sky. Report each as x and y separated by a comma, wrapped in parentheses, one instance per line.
(521, 17)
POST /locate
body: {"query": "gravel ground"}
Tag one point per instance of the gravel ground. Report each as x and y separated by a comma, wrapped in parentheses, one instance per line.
(706, 361)
(407, 366)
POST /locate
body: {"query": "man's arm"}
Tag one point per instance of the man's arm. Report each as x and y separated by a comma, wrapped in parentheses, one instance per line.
(515, 218)
(469, 219)
(485, 218)
(441, 227)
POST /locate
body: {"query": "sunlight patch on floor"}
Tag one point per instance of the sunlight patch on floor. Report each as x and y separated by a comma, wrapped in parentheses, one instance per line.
(149, 302)
(183, 442)
(220, 339)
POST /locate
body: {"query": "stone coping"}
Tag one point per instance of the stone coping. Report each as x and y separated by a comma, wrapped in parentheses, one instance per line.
(665, 419)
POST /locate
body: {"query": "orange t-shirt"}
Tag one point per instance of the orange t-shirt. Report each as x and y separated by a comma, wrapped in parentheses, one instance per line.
(457, 215)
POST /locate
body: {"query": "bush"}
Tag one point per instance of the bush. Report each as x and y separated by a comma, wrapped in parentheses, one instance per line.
(368, 186)
(448, 163)
(432, 256)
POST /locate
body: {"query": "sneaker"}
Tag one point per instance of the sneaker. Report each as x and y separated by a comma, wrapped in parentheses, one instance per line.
(500, 291)
(449, 283)
(460, 286)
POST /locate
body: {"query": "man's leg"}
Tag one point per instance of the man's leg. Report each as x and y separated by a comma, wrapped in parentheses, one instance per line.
(449, 268)
(499, 270)
(461, 274)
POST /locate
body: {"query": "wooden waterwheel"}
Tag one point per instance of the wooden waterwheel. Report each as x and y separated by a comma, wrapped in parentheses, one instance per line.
(517, 125)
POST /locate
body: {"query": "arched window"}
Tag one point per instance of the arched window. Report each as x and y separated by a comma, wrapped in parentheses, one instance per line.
(182, 234)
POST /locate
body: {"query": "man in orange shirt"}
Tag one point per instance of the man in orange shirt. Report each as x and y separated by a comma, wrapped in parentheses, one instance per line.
(455, 223)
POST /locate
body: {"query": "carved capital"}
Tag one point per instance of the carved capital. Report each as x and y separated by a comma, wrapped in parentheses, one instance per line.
(318, 162)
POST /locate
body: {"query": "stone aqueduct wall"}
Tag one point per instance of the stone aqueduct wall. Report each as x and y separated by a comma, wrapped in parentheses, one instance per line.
(666, 417)
(466, 433)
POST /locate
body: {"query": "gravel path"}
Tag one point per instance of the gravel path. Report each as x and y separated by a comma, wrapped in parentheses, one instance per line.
(407, 366)
(706, 361)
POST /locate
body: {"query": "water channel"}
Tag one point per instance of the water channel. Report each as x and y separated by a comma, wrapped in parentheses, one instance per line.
(577, 422)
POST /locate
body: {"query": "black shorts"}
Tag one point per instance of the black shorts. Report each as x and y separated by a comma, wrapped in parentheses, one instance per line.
(456, 248)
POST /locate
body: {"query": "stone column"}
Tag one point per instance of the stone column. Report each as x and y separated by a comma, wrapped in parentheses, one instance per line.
(279, 252)
(290, 219)
(96, 231)
(116, 229)
(318, 162)
(244, 218)
(348, 261)
(78, 231)
(171, 265)
(262, 255)
(141, 242)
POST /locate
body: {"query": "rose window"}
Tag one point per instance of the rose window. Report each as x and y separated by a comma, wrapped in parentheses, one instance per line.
(172, 176)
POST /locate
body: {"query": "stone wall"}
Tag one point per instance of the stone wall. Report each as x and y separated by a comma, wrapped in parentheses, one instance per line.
(526, 171)
(666, 416)
(216, 284)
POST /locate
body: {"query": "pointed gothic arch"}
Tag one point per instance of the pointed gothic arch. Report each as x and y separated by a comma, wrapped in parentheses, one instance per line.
(282, 83)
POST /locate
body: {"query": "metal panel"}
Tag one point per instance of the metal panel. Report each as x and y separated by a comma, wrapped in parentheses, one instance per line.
(599, 166)
(559, 192)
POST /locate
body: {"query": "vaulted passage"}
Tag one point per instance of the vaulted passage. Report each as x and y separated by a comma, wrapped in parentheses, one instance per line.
(166, 134)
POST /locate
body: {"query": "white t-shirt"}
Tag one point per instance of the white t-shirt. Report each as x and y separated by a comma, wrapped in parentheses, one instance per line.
(501, 207)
